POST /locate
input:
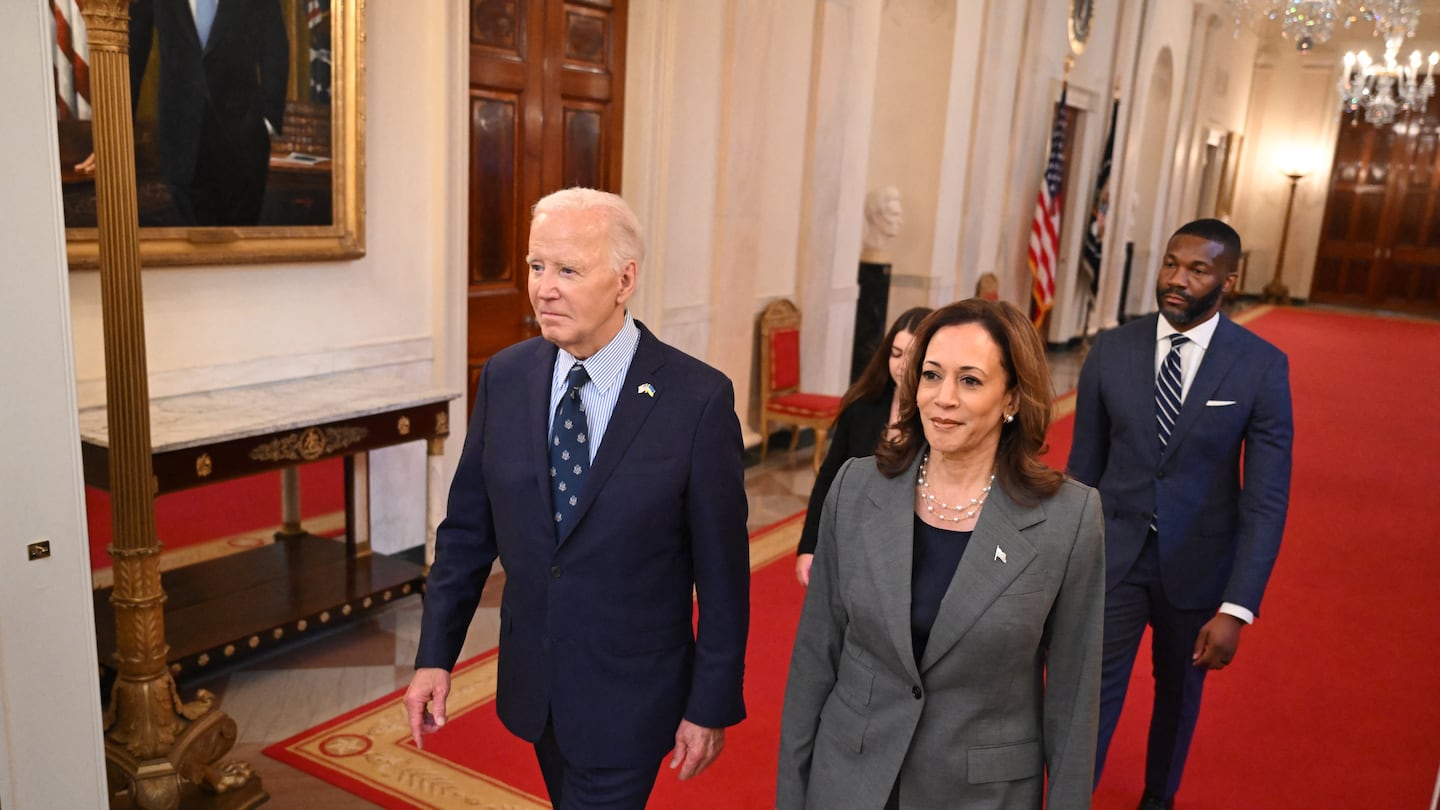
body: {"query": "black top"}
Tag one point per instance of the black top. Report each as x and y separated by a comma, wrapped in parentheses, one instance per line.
(937, 555)
(856, 433)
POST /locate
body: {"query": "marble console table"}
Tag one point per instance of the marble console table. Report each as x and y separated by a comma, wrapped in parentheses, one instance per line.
(245, 602)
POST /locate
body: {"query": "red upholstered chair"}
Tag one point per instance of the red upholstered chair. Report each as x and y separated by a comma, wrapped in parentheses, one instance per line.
(781, 399)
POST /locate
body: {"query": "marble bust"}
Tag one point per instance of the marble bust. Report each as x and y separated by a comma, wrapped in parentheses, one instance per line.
(883, 218)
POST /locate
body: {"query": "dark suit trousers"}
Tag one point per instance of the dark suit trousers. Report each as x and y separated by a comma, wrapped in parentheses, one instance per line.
(1140, 600)
(574, 788)
(231, 171)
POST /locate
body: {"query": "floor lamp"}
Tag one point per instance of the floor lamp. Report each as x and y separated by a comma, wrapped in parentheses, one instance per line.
(1276, 291)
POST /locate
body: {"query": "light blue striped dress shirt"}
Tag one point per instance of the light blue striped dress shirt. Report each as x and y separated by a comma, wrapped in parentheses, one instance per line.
(607, 369)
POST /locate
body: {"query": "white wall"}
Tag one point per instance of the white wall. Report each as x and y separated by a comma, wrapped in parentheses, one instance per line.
(50, 734)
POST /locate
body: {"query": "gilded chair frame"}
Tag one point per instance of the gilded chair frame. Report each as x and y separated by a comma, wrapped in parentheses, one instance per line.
(779, 316)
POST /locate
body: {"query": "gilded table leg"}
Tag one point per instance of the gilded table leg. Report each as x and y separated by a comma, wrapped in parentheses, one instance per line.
(290, 502)
(359, 534)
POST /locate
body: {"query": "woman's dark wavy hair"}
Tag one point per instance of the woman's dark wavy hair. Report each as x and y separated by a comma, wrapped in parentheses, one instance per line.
(875, 379)
(1018, 468)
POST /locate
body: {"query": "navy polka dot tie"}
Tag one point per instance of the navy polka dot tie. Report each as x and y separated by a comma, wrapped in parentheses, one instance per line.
(569, 448)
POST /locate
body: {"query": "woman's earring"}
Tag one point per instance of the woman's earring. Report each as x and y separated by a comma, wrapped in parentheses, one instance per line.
(1009, 417)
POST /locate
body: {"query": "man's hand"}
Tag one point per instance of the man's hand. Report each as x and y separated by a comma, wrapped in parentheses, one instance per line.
(802, 568)
(430, 685)
(86, 166)
(1218, 640)
(695, 747)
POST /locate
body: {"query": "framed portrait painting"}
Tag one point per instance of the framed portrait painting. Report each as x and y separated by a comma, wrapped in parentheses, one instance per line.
(249, 130)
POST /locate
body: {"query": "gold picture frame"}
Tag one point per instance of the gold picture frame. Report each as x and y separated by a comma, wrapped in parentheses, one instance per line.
(344, 235)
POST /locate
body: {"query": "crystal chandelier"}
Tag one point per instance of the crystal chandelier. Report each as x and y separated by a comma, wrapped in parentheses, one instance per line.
(1308, 23)
(1385, 90)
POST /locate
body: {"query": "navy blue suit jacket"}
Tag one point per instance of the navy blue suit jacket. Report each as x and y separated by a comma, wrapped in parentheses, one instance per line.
(596, 629)
(1222, 486)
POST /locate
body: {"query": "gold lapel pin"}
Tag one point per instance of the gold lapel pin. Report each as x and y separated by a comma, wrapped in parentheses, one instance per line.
(647, 389)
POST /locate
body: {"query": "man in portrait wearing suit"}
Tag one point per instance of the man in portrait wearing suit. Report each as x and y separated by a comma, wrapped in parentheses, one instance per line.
(1183, 423)
(604, 469)
(223, 70)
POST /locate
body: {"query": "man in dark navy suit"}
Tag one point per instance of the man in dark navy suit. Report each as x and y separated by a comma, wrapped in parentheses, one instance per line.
(1183, 423)
(604, 469)
(223, 71)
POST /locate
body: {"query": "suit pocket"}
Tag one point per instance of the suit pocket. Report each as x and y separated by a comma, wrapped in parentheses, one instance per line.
(844, 725)
(1005, 763)
(854, 680)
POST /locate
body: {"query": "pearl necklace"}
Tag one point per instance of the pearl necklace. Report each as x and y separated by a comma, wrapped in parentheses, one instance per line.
(965, 511)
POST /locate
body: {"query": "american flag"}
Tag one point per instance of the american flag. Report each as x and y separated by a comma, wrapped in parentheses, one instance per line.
(317, 16)
(1045, 228)
(72, 70)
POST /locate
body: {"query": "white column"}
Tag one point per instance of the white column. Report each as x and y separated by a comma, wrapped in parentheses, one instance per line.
(843, 68)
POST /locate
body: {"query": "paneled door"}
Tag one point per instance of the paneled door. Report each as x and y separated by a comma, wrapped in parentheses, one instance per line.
(1380, 241)
(546, 103)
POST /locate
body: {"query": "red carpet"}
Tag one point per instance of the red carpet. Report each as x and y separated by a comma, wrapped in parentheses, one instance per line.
(1331, 702)
(223, 509)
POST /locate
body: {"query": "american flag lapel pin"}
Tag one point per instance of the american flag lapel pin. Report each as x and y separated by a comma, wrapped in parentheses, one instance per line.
(647, 389)
(1000, 554)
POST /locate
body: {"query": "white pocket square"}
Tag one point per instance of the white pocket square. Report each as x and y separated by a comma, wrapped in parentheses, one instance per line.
(1218, 403)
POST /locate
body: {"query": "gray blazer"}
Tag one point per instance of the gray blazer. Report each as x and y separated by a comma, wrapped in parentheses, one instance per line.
(1009, 686)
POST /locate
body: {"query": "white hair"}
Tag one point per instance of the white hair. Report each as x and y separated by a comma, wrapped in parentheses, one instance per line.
(627, 238)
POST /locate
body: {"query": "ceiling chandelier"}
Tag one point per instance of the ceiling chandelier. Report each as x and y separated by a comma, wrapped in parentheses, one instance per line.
(1308, 23)
(1385, 90)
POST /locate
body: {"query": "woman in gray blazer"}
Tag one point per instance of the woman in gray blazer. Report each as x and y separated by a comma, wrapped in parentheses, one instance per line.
(948, 654)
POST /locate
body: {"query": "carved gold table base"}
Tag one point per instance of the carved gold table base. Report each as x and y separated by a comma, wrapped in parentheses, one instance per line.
(191, 773)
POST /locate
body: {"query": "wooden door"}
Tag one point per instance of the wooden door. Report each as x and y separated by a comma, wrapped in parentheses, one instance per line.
(1410, 277)
(1380, 238)
(546, 105)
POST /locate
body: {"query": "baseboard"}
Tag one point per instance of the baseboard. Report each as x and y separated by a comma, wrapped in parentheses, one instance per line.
(779, 441)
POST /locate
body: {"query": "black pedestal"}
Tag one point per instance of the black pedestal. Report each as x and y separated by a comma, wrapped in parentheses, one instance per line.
(870, 310)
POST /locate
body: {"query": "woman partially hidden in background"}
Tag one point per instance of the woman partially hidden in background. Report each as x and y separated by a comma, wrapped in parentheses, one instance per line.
(870, 406)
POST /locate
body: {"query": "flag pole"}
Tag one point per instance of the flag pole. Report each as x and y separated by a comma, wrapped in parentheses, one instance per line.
(1099, 207)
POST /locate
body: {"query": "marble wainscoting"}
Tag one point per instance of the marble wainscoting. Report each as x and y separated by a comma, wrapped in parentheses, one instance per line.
(409, 360)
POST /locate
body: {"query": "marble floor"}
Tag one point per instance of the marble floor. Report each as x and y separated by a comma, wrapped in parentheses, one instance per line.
(274, 697)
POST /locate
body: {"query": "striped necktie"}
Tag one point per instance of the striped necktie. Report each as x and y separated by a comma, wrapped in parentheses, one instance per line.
(569, 453)
(1168, 389)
